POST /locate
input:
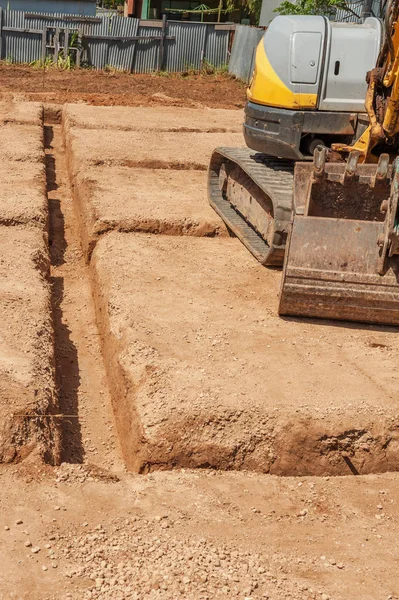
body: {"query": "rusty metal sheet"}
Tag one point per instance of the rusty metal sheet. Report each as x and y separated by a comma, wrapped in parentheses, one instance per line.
(331, 271)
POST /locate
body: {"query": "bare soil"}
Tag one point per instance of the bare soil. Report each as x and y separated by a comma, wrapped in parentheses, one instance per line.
(156, 201)
(27, 392)
(197, 535)
(204, 373)
(175, 338)
(28, 402)
(165, 118)
(87, 428)
(152, 150)
(120, 89)
(23, 194)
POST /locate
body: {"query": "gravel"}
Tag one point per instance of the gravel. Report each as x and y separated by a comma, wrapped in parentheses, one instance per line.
(140, 559)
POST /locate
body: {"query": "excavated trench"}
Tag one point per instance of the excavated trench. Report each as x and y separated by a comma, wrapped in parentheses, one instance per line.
(162, 343)
(87, 428)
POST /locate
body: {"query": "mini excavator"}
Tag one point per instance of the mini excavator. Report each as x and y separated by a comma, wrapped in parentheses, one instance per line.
(316, 190)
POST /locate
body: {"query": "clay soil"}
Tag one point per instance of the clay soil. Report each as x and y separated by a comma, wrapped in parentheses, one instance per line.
(154, 338)
(121, 89)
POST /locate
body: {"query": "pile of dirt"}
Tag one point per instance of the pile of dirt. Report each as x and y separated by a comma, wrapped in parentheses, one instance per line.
(28, 400)
(121, 89)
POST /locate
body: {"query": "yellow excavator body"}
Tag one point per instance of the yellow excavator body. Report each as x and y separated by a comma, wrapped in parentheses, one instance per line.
(266, 87)
(317, 187)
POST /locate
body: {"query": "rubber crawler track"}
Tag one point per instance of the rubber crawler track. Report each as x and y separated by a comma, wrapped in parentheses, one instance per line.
(274, 177)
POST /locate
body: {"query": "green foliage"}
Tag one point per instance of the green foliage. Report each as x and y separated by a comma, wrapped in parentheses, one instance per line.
(66, 59)
(253, 8)
(210, 69)
(310, 7)
(250, 7)
(111, 3)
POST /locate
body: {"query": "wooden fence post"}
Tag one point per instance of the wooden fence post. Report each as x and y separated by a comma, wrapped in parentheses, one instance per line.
(56, 44)
(1, 33)
(161, 49)
(44, 43)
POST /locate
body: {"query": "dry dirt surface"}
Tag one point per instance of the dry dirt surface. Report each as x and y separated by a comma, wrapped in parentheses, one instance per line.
(161, 348)
(204, 373)
(23, 193)
(141, 118)
(27, 387)
(121, 89)
(190, 326)
(152, 150)
(78, 533)
(27, 390)
(167, 202)
(162, 199)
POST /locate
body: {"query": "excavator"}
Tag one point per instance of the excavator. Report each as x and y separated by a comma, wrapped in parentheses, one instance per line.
(316, 189)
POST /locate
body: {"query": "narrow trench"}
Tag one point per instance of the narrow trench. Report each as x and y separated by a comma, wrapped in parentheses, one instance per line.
(87, 428)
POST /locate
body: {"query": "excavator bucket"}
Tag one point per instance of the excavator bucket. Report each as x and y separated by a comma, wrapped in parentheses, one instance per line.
(342, 259)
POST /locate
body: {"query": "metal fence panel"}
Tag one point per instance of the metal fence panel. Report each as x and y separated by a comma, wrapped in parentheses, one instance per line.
(353, 15)
(103, 53)
(146, 55)
(121, 53)
(217, 46)
(191, 43)
(245, 42)
(20, 47)
(187, 50)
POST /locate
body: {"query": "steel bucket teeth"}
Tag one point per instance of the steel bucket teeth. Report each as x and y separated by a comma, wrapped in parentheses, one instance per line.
(333, 258)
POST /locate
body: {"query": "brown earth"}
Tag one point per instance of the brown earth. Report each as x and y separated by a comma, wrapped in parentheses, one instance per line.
(121, 89)
(23, 193)
(165, 343)
(22, 143)
(152, 150)
(153, 201)
(21, 113)
(89, 530)
(27, 390)
(27, 387)
(196, 536)
(87, 432)
(146, 199)
(204, 373)
(147, 118)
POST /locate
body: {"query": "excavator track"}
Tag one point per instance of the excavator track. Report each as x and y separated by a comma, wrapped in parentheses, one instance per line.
(253, 194)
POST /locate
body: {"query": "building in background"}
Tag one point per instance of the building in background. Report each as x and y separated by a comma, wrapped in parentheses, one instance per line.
(66, 7)
(210, 11)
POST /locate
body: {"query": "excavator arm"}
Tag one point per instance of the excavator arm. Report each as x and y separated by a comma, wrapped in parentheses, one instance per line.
(382, 98)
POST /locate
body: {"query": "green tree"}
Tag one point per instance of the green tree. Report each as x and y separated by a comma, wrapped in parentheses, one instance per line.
(251, 8)
(311, 7)
(254, 7)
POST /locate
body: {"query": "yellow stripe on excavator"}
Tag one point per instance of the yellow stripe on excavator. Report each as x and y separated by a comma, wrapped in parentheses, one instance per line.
(267, 88)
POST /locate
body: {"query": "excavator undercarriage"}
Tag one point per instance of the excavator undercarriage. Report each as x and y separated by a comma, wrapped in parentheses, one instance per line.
(332, 221)
(253, 195)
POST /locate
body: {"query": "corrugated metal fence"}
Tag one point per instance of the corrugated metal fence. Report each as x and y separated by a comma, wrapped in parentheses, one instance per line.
(242, 57)
(186, 45)
(353, 12)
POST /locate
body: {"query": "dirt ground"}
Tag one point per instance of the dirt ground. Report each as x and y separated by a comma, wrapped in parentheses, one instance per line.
(168, 354)
(77, 532)
(168, 203)
(120, 89)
